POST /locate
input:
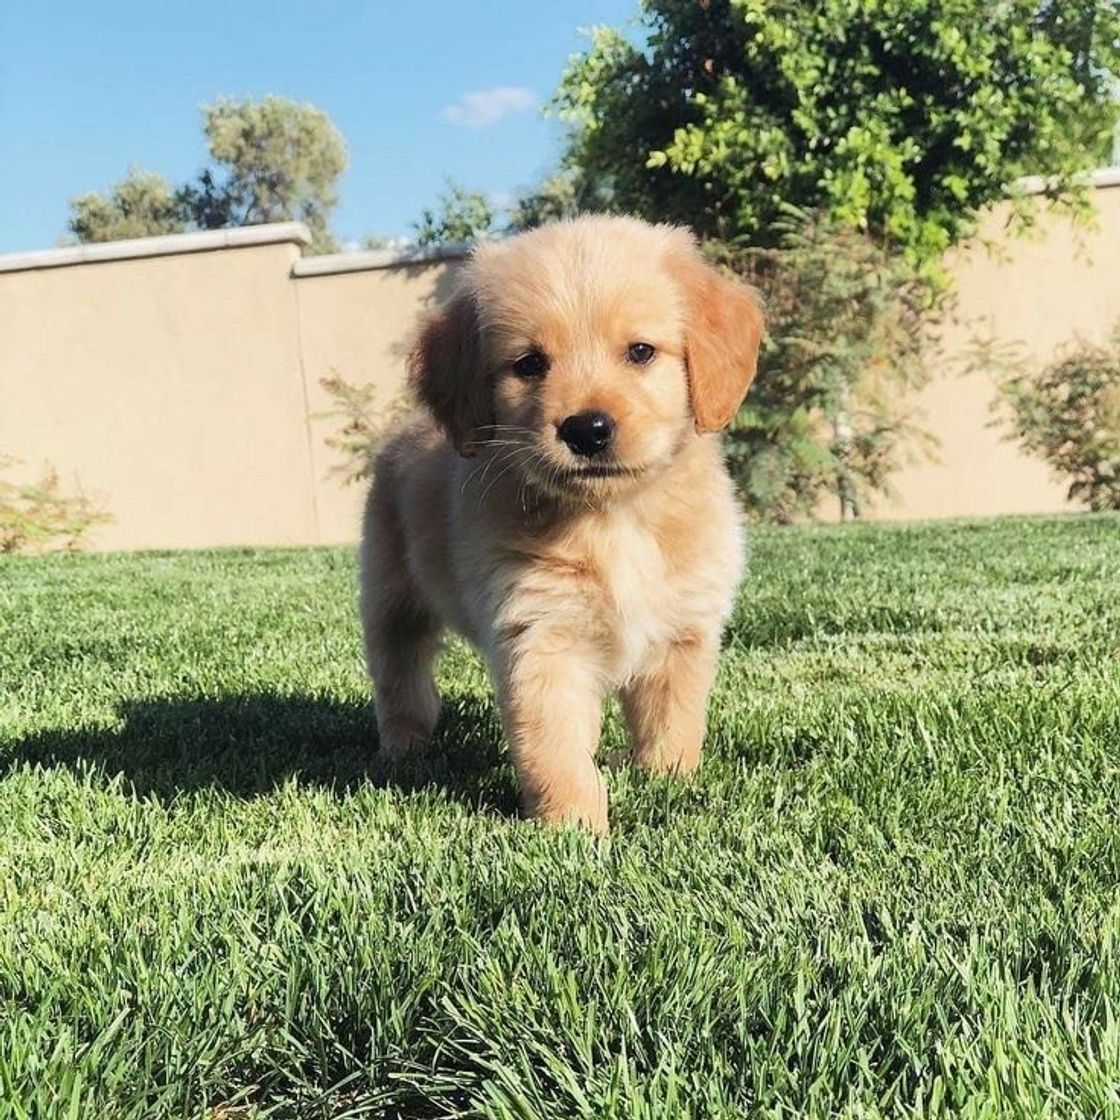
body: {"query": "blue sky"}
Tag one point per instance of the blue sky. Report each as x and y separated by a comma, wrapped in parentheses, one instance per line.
(421, 90)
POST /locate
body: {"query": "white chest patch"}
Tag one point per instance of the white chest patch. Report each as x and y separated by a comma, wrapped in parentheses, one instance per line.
(644, 604)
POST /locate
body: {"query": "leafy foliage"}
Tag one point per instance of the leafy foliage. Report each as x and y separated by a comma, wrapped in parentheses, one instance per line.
(142, 204)
(462, 215)
(555, 198)
(380, 242)
(36, 515)
(362, 424)
(1069, 415)
(459, 216)
(274, 160)
(901, 117)
(1090, 35)
(564, 194)
(848, 325)
(279, 161)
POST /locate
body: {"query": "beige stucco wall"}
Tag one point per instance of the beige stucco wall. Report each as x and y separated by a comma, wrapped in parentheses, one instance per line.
(355, 325)
(180, 385)
(181, 390)
(1039, 292)
(168, 387)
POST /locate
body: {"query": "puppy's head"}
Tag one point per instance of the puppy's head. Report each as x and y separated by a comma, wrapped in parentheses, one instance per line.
(586, 353)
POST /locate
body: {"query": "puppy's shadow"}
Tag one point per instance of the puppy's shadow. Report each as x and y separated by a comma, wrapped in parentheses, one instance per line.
(252, 743)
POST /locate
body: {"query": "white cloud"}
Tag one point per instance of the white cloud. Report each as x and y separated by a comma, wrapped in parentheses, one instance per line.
(485, 107)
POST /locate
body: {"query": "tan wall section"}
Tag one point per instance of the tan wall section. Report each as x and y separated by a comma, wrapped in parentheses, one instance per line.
(1040, 293)
(170, 387)
(356, 324)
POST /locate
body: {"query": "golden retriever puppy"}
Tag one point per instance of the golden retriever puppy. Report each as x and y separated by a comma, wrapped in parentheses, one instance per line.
(565, 505)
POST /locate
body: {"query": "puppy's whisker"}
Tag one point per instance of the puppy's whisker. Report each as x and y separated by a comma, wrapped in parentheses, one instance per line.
(504, 460)
(485, 466)
(470, 477)
(509, 459)
(504, 431)
(494, 482)
(483, 469)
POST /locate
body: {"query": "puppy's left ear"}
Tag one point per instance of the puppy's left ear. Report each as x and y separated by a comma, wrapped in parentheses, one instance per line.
(723, 329)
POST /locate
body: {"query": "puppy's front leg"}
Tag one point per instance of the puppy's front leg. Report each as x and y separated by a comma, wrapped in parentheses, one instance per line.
(552, 708)
(666, 704)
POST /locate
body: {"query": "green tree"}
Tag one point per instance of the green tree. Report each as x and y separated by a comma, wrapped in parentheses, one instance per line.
(273, 160)
(556, 197)
(563, 194)
(901, 117)
(460, 215)
(276, 161)
(142, 204)
(1090, 33)
(382, 241)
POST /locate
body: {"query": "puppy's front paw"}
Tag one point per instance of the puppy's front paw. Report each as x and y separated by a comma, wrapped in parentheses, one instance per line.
(582, 803)
(397, 738)
(679, 759)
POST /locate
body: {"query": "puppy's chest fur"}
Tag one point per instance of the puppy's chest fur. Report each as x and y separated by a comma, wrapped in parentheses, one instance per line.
(620, 586)
(630, 591)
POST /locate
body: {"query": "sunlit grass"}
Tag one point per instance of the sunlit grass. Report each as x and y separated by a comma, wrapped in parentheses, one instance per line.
(893, 891)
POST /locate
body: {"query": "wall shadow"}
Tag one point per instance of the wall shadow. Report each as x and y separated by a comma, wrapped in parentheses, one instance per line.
(250, 744)
(444, 288)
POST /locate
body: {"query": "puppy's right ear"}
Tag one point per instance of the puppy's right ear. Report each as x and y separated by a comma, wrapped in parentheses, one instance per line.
(445, 370)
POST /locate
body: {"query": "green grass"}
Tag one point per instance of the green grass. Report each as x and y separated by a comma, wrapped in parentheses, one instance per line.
(893, 891)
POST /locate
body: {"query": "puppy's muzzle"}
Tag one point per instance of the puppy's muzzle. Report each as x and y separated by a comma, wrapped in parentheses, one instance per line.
(587, 433)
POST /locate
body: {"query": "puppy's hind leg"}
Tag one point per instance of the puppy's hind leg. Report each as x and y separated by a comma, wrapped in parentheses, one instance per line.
(402, 636)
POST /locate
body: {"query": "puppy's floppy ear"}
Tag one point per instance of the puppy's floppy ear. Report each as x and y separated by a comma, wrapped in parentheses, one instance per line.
(445, 370)
(723, 329)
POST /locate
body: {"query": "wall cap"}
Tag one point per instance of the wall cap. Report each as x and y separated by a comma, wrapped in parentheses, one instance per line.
(1037, 184)
(330, 264)
(166, 245)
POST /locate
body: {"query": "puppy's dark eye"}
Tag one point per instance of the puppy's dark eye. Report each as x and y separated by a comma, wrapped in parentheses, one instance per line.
(640, 353)
(531, 365)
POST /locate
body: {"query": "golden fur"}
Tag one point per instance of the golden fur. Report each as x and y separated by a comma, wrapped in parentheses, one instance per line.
(573, 575)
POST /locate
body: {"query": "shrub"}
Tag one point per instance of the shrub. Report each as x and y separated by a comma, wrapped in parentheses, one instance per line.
(460, 216)
(364, 426)
(35, 515)
(1069, 415)
(829, 415)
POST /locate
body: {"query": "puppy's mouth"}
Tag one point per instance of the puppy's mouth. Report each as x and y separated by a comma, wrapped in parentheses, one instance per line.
(589, 481)
(603, 470)
(603, 473)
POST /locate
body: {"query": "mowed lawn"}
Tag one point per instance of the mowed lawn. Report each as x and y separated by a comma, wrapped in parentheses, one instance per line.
(893, 890)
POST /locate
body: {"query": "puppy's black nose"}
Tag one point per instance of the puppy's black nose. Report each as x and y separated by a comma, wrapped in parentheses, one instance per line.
(587, 433)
